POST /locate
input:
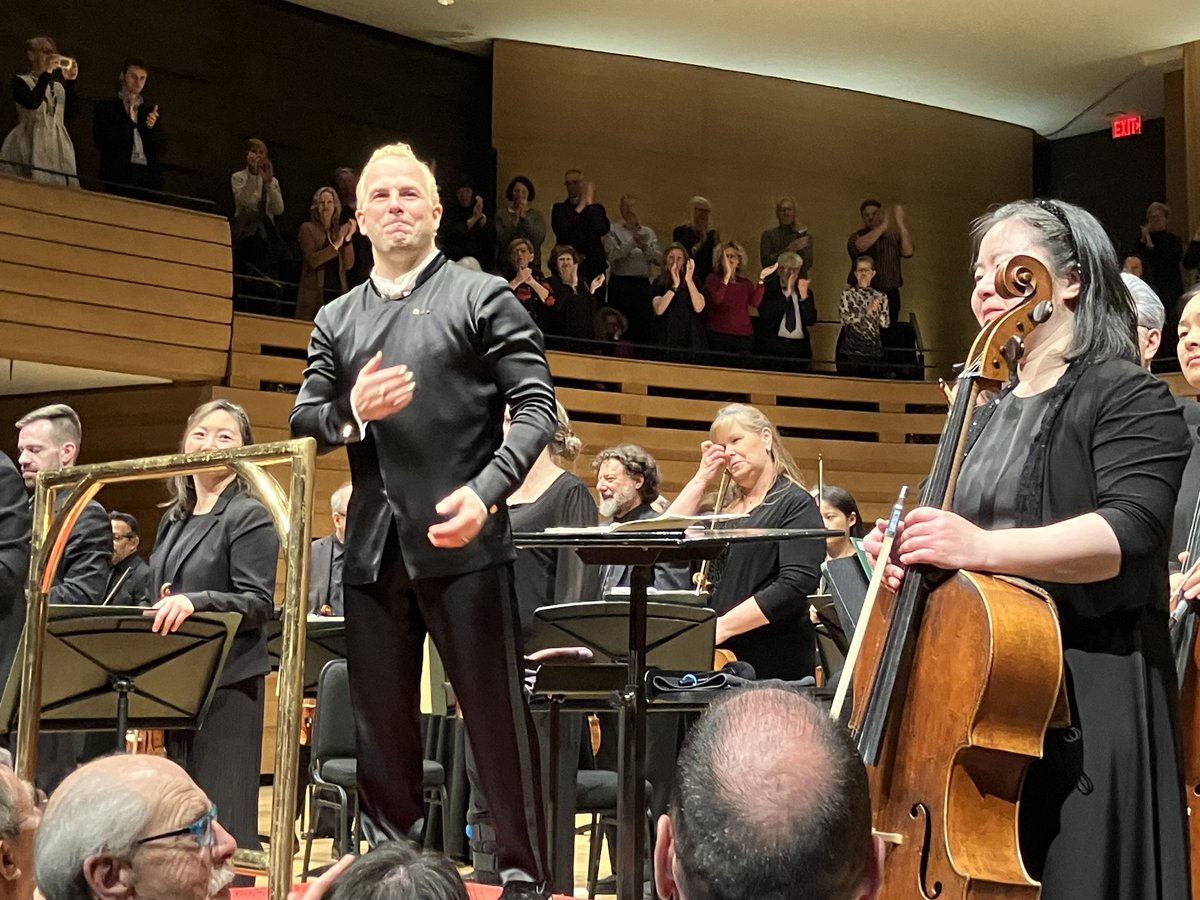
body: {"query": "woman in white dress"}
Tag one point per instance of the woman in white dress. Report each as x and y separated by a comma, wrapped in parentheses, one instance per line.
(39, 147)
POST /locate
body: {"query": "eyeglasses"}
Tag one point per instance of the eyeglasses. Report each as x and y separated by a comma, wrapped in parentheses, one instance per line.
(201, 830)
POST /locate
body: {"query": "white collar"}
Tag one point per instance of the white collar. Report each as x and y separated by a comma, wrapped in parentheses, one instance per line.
(403, 286)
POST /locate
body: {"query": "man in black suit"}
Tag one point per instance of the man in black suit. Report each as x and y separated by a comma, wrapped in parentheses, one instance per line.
(49, 438)
(327, 559)
(412, 371)
(129, 580)
(14, 561)
(130, 136)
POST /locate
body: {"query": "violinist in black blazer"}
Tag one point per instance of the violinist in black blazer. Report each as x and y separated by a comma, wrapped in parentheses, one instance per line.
(412, 371)
(217, 551)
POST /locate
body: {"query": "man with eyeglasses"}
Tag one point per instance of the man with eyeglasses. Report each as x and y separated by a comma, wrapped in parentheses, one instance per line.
(129, 580)
(132, 827)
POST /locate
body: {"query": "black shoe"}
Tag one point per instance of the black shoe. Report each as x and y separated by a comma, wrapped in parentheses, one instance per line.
(525, 890)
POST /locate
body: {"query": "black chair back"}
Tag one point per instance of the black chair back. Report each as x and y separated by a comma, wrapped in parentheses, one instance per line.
(333, 724)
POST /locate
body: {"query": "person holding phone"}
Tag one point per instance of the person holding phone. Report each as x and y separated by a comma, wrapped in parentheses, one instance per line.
(39, 147)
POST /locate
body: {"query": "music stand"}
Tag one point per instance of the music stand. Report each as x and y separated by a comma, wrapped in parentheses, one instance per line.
(324, 640)
(160, 681)
(677, 637)
(641, 551)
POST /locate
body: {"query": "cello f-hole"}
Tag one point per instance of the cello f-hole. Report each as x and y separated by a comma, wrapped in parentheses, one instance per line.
(928, 891)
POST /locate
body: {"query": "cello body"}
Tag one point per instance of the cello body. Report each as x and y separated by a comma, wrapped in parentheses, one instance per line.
(986, 672)
(1189, 723)
(958, 676)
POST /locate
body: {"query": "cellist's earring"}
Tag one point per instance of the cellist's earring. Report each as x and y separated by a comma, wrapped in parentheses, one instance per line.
(1041, 312)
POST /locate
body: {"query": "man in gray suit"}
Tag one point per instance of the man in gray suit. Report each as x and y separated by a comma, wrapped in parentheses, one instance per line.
(325, 562)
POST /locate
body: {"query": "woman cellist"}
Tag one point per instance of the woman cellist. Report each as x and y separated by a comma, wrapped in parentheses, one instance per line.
(1069, 480)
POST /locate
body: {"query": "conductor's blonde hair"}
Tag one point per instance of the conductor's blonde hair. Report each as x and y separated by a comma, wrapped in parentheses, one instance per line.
(402, 151)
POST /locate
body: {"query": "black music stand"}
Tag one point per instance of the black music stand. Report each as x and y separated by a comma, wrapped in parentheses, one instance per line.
(640, 551)
(324, 640)
(160, 681)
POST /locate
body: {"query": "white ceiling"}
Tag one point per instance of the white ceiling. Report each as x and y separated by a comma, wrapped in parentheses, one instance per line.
(1037, 63)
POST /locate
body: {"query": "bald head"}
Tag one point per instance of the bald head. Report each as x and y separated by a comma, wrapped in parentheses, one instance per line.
(770, 802)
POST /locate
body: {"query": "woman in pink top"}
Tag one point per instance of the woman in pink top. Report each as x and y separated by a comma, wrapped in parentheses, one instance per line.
(730, 296)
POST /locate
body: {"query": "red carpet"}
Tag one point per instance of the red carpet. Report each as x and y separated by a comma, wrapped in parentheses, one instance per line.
(477, 892)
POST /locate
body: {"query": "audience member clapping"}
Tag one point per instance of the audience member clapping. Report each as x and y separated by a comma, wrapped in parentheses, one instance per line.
(520, 220)
(466, 229)
(864, 314)
(886, 246)
(1162, 253)
(326, 252)
(698, 236)
(730, 298)
(787, 235)
(573, 310)
(257, 200)
(130, 135)
(787, 311)
(633, 249)
(132, 828)
(524, 278)
(678, 302)
(581, 222)
(39, 147)
(19, 820)
(345, 181)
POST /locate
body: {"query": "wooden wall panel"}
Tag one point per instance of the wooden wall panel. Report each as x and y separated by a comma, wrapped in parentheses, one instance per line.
(665, 131)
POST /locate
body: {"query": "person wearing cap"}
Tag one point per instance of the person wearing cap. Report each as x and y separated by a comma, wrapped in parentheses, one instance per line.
(1150, 317)
(698, 236)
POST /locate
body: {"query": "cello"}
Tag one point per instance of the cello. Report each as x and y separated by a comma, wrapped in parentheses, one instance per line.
(1187, 661)
(959, 676)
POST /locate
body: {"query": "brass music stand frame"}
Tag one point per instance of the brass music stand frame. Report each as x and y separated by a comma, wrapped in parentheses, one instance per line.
(53, 520)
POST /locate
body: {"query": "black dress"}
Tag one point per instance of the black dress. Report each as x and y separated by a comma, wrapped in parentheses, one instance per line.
(544, 576)
(1102, 813)
(780, 577)
(573, 312)
(680, 327)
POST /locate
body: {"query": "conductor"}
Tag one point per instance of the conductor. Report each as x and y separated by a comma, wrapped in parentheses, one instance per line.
(412, 371)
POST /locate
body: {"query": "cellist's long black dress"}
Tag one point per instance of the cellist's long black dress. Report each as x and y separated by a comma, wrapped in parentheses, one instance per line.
(1103, 813)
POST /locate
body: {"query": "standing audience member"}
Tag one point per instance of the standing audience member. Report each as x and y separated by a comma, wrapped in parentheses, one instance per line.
(730, 298)
(885, 246)
(129, 580)
(864, 315)
(129, 134)
(633, 249)
(345, 180)
(326, 252)
(786, 236)
(571, 310)
(1150, 317)
(466, 229)
(327, 560)
(678, 303)
(581, 222)
(428, 550)
(217, 551)
(20, 817)
(787, 311)
(520, 220)
(698, 236)
(760, 591)
(39, 147)
(257, 247)
(133, 827)
(1162, 253)
(811, 830)
(525, 278)
(15, 525)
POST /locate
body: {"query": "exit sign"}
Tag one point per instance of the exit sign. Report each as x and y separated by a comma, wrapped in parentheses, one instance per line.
(1126, 126)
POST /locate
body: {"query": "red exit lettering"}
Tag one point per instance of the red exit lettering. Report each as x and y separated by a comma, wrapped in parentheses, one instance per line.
(1126, 126)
